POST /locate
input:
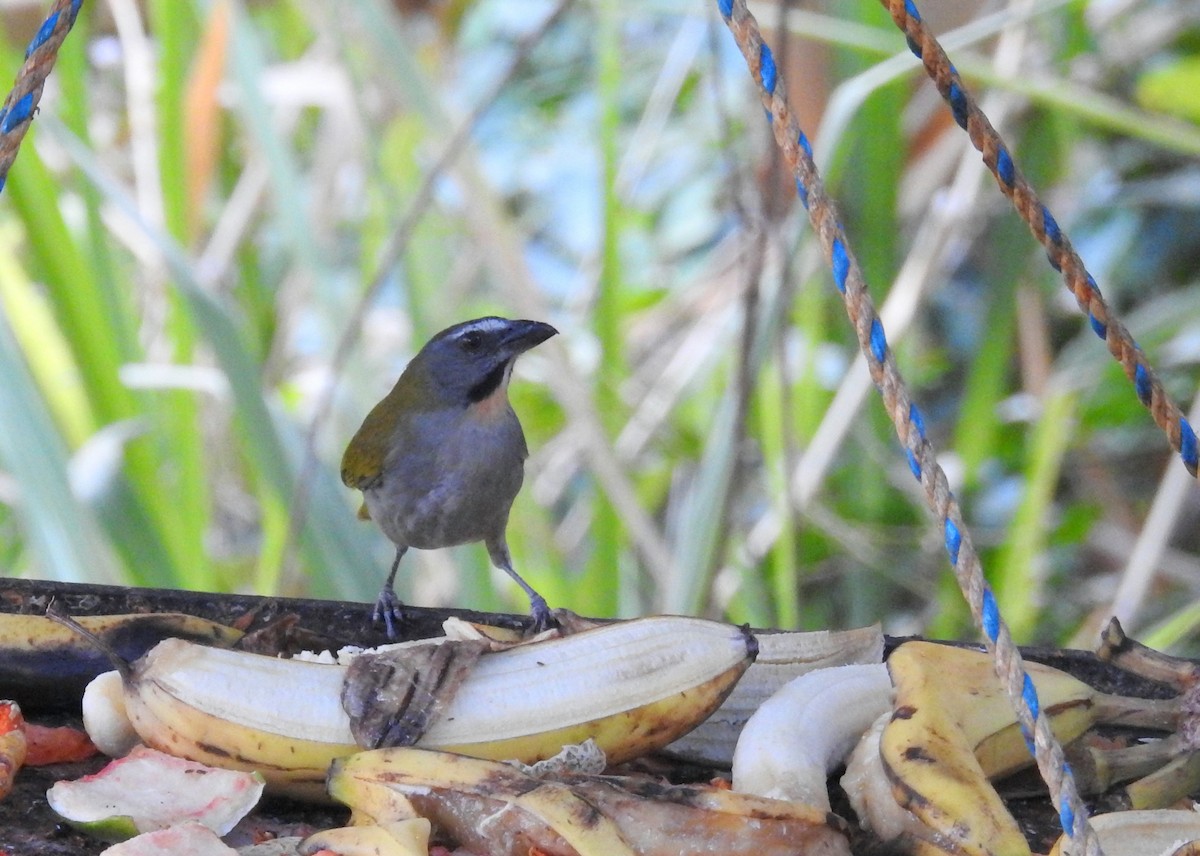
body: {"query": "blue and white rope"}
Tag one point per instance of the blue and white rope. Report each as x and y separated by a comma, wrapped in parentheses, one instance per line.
(1062, 256)
(21, 105)
(910, 429)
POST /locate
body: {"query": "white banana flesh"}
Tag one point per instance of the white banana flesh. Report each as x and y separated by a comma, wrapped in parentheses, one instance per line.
(869, 790)
(105, 718)
(801, 734)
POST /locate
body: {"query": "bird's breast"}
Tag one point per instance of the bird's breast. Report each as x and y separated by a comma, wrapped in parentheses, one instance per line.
(453, 481)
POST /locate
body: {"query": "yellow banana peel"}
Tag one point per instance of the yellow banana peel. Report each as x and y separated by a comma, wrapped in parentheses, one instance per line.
(480, 804)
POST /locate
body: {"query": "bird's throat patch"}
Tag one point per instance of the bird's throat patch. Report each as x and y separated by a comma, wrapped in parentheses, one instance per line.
(492, 382)
(490, 396)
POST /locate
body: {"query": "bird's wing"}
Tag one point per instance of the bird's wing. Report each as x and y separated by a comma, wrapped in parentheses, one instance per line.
(363, 460)
(361, 466)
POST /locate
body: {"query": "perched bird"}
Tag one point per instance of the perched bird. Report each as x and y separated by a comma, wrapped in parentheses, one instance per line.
(440, 459)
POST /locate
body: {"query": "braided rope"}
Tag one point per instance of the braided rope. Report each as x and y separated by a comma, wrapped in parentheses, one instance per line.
(910, 429)
(17, 112)
(1061, 254)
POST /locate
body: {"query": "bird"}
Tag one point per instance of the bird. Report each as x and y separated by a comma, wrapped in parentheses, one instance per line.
(441, 458)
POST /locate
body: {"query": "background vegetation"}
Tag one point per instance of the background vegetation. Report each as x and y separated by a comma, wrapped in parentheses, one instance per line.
(234, 223)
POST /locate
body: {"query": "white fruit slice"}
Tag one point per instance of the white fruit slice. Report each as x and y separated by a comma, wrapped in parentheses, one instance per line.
(148, 790)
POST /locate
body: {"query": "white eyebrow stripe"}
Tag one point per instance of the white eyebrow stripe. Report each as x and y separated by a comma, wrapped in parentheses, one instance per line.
(482, 325)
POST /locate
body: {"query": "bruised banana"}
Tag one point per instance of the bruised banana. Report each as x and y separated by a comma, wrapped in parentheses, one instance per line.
(46, 664)
(952, 728)
(489, 807)
(631, 686)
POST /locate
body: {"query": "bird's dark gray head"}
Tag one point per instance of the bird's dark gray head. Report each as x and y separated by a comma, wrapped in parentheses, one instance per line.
(471, 360)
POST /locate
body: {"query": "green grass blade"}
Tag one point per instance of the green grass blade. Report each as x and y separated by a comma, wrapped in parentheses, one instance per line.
(66, 541)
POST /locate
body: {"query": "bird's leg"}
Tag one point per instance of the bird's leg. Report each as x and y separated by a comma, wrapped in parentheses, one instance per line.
(538, 609)
(387, 606)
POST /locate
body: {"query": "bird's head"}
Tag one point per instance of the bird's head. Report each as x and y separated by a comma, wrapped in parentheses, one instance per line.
(468, 363)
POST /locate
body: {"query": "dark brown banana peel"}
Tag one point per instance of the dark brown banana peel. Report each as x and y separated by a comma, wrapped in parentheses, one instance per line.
(45, 665)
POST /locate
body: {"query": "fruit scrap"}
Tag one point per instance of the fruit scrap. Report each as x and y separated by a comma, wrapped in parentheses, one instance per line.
(952, 729)
(194, 839)
(497, 809)
(61, 745)
(148, 790)
(869, 791)
(1165, 786)
(399, 838)
(12, 744)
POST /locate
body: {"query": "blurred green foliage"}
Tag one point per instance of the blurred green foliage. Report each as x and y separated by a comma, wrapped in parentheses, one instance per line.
(200, 298)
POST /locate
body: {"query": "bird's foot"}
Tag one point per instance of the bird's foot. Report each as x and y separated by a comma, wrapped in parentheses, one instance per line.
(543, 616)
(389, 609)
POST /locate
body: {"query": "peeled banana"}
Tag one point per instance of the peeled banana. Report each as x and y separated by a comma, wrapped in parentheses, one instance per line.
(803, 732)
(631, 686)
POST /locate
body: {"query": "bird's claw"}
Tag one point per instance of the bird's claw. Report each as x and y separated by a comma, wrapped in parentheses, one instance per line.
(390, 610)
(542, 615)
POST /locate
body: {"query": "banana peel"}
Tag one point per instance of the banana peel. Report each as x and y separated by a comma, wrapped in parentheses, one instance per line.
(869, 792)
(952, 729)
(1134, 833)
(399, 838)
(46, 664)
(39, 635)
(783, 657)
(498, 809)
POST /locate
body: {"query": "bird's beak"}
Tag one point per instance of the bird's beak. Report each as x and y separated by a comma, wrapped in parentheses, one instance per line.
(523, 335)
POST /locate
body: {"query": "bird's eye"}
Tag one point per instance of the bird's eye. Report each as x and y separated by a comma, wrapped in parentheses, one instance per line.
(471, 342)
